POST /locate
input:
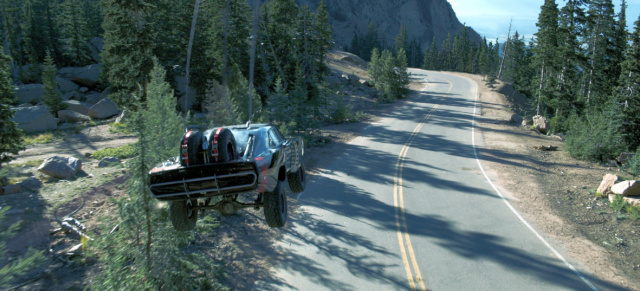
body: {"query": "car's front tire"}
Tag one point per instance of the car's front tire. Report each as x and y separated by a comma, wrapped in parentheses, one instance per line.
(275, 207)
(183, 215)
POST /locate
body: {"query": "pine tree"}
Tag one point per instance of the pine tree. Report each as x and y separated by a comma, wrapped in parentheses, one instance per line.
(323, 29)
(52, 97)
(545, 52)
(374, 68)
(11, 137)
(33, 40)
(628, 91)
(371, 40)
(401, 39)
(146, 253)
(601, 73)
(127, 50)
(75, 32)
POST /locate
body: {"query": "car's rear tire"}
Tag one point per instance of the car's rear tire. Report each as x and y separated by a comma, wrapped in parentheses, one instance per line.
(183, 215)
(191, 156)
(297, 180)
(226, 146)
(275, 207)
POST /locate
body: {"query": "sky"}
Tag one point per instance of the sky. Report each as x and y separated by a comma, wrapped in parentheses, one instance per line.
(491, 18)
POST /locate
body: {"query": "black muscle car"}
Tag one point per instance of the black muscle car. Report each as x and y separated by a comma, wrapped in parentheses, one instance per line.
(225, 162)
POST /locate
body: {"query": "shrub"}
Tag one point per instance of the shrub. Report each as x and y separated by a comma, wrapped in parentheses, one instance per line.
(40, 138)
(634, 164)
(596, 137)
(123, 152)
(618, 204)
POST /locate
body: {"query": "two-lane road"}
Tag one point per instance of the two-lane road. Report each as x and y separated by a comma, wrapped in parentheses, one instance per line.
(408, 206)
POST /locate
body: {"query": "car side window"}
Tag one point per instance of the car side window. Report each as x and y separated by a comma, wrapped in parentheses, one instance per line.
(275, 139)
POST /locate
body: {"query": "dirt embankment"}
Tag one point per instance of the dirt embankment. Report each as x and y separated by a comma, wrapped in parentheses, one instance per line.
(552, 190)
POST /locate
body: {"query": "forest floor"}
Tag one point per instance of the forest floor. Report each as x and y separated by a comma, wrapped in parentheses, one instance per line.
(550, 189)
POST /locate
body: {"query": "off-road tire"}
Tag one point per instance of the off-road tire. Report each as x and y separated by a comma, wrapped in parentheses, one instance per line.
(194, 147)
(182, 217)
(275, 207)
(296, 180)
(226, 146)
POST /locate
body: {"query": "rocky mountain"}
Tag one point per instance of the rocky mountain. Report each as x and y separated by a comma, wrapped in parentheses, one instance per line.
(423, 19)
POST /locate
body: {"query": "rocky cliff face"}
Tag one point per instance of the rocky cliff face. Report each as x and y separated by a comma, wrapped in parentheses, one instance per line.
(423, 19)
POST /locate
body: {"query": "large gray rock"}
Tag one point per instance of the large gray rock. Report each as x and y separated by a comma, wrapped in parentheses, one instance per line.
(77, 106)
(31, 93)
(83, 76)
(65, 86)
(72, 116)
(95, 46)
(93, 98)
(607, 182)
(541, 124)
(75, 95)
(60, 167)
(34, 118)
(103, 109)
(108, 162)
(627, 188)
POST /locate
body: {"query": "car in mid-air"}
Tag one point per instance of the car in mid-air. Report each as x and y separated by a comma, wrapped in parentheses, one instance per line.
(225, 162)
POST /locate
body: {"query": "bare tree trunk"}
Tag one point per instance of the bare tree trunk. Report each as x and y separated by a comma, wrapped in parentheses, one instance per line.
(191, 35)
(254, 38)
(504, 56)
(225, 59)
(540, 89)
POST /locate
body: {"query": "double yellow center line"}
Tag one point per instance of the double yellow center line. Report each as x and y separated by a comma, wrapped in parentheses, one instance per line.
(404, 240)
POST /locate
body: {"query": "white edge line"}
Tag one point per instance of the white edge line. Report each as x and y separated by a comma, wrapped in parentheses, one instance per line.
(556, 253)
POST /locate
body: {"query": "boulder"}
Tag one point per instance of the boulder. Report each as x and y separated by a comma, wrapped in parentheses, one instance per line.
(72, 116)
(31, 93)
(60, 167)
(108, 161)
(83, 90)
(71, 96)
(34, 118)
(97, 42)
(95, 46)
(632, 201)
(607, 182)
(103, 109)
(122, 118)
(31, 183)
(515, 118)
(65, 86)
(12, 189)
(541, 124)
(627, 188)
(77, 106)
(94, 98)
(83, 76)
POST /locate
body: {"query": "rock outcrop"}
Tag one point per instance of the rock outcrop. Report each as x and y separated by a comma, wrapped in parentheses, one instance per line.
(103, 109)
(424, 19)
(31, 93)
(60, 167)
(72, 116)
(627, 188)
(541, 124)
(34, 118)
(607, 182)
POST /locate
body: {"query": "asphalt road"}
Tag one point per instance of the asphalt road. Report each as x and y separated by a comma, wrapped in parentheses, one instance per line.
(407, 206)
